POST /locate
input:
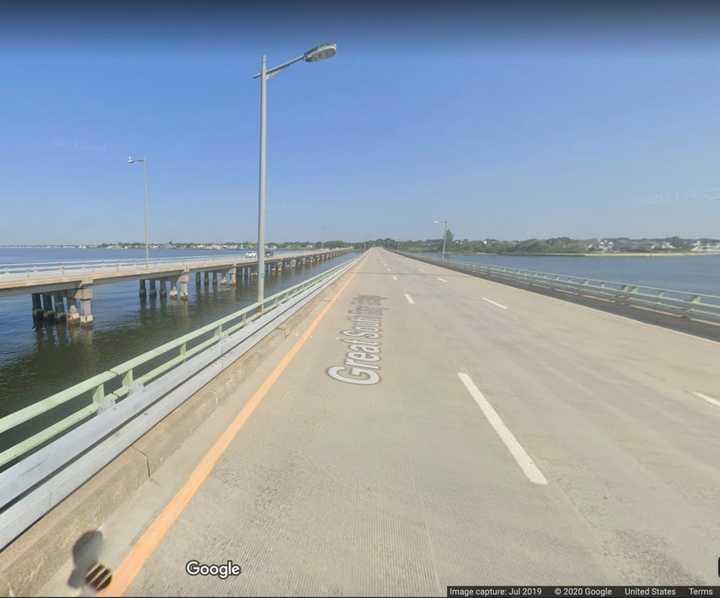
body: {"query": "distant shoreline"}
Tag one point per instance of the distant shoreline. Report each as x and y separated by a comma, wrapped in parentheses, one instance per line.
(606, 254)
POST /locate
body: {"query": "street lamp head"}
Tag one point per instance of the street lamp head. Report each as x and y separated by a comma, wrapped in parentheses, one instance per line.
(130, 160)
(320, 52)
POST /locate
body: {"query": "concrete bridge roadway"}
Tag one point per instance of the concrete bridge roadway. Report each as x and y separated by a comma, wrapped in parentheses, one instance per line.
(500, 437)
(56, 291)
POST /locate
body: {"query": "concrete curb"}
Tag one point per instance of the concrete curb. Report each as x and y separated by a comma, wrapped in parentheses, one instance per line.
(34, 557)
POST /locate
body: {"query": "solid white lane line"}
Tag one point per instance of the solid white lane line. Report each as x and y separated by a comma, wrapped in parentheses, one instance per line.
(394, 277)
(708, 399)
(441, 279)
(495, 303)
(409, 299)
(523, 459)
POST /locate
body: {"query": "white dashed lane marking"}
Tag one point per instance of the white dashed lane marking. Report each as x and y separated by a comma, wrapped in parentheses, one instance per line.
(518, 452)
(707, 398)
(495, 303)
(410, 300)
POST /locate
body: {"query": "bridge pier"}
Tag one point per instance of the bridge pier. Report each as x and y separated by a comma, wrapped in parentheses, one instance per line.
(48, 312)
(173, 289)
(198, 279)
(207, 278)
(232, 276)
(73, 316)
(59, 301)
(163, 288)
(182, 282)
(85, 295)
(142, 290)
(37, 309)
(153, 288)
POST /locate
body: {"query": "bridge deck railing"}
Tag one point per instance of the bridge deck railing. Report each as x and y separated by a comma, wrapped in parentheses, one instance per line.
(26, 270)
(103, 390)
(691, 305)
(110, 411)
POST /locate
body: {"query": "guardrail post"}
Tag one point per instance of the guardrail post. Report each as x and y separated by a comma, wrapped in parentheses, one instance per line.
(626, 292)
(696, 300)
(660, 296)
(128, 379)
(100, 399)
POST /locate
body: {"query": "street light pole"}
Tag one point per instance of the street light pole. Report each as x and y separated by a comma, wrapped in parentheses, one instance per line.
(147, 205)
(445, 229)
(131, 161)
(313, 55)
(261, 194)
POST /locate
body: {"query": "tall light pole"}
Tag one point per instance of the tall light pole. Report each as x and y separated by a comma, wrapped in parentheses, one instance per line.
(445, 229)
(313, 55)
(132, 161)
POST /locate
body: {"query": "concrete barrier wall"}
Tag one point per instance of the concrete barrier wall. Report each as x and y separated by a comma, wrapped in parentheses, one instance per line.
(34, 557)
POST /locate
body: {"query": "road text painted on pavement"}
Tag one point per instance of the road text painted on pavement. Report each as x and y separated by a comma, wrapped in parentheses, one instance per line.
(362, 361)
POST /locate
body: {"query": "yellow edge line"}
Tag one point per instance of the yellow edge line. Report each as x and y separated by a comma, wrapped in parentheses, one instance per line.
(133, 562)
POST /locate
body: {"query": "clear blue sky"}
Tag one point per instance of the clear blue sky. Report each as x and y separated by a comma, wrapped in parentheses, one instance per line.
(510, 126)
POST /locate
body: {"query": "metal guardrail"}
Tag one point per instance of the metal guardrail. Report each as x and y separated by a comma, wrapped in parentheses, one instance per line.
(120, 405)
(701, 307)
(115, 384)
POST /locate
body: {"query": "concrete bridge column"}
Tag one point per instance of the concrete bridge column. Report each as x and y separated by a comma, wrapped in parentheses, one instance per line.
(163, 288)
(207, 278)
(37, 309)
(60, 314)
(153, 287)
(73, 316)
(85, 295)
(182, 282)
(198, 279)
(215, 278)
(143, 290)
(232, 276)
(48, 312)
(173, 289)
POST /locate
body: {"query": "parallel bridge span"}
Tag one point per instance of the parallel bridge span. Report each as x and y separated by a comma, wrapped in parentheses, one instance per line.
(65, 291)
